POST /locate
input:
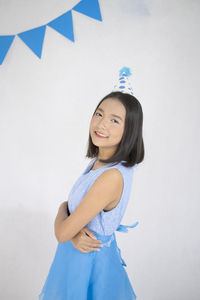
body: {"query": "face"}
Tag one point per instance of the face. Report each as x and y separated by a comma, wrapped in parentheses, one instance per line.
(108, 119)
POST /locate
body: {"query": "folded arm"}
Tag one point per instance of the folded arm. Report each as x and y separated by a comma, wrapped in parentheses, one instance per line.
(102, 192)
(63, 214)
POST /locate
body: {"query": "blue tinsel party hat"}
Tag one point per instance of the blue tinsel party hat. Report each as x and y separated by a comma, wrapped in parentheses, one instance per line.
(123, 84)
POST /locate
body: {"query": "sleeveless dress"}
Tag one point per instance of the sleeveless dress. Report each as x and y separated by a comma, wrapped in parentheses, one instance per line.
(97, 275)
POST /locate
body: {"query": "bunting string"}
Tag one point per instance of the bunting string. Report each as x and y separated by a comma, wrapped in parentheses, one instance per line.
(34, 38)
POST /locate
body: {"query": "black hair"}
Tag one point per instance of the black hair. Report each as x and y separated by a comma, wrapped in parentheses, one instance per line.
(131, 146)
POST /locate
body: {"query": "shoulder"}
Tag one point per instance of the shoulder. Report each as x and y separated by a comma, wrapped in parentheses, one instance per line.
(111, 172)
(112, 178)
(106, 188)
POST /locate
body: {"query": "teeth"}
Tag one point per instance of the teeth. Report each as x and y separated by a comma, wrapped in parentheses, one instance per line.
(100, 134)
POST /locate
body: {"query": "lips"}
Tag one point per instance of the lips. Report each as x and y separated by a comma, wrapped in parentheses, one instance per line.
(100, 136)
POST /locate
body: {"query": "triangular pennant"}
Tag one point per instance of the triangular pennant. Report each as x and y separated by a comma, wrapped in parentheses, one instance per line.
(5, 43)
(64, 25)
(34, 39)
(89, 8)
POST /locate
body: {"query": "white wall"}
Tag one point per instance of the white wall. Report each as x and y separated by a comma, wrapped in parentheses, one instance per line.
(45, 110)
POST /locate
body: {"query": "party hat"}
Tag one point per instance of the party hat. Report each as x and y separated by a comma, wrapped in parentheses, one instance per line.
(123, 84)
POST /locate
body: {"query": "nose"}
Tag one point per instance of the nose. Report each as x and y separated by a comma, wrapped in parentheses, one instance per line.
(102, 124)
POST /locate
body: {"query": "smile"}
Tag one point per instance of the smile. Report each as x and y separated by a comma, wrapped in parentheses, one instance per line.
(100, 135)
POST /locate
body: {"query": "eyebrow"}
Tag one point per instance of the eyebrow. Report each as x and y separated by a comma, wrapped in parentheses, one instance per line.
(116, 116)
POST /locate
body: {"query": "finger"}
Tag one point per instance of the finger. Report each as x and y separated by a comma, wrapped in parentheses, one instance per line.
(96, 245)
(95, 249)
(89, 233)
(91, 244)
(89, 249)
(83, 251)
(91, 240)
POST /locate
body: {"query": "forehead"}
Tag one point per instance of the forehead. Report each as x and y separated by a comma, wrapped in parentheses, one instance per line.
(112, 106)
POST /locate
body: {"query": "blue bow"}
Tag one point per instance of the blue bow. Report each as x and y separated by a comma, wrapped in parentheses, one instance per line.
(123, 228)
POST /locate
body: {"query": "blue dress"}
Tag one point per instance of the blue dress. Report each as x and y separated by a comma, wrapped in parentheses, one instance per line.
(97, 275)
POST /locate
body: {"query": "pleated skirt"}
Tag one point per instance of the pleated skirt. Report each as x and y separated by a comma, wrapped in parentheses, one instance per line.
(97, 275)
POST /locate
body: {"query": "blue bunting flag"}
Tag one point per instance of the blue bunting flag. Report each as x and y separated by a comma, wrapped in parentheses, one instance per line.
(34, 38)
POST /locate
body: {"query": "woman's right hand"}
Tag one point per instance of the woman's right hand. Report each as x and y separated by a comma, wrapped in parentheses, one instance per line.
(85, 241)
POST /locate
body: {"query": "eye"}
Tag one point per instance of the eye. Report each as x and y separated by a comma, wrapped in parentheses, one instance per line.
(112, 119)
(116, 120)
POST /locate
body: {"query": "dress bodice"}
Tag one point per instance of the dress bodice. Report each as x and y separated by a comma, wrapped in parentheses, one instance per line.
(106, 222)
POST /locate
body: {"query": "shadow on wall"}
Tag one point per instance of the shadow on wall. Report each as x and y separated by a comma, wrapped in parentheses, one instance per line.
(24, 261)
(138, 7)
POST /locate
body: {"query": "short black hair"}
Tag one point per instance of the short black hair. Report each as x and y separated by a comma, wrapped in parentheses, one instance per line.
(131, 146)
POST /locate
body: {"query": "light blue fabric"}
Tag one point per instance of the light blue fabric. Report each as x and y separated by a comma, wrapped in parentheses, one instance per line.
(105, 223)
(75, 275)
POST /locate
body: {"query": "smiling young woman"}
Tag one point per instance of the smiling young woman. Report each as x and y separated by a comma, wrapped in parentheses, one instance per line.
(96, 205)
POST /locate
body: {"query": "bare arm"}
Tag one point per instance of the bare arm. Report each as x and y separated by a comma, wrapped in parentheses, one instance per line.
(63, 214)
(102, 192)
(84, 241)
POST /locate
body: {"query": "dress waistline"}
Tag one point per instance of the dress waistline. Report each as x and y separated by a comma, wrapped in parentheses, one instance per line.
(107, 239)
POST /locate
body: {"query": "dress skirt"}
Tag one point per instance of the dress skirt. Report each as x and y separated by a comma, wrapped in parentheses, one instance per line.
(97, 275)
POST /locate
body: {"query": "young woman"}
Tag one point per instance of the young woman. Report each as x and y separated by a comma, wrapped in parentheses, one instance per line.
(88, 263)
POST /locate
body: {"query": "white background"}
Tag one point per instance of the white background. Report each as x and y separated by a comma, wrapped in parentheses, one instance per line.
(45, 109)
